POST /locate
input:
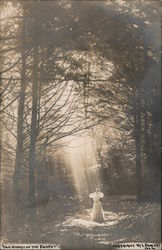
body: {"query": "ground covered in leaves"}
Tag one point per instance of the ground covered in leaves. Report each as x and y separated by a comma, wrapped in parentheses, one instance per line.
(66, 222)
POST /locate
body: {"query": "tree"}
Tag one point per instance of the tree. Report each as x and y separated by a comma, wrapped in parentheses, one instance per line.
(21, 105)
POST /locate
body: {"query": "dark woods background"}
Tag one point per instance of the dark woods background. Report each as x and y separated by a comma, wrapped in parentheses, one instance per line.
(55, 83)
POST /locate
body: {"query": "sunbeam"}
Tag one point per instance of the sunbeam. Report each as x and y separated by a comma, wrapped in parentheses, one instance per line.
(81, 159)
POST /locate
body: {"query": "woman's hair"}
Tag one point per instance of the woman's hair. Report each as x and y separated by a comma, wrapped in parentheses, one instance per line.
(97, 190)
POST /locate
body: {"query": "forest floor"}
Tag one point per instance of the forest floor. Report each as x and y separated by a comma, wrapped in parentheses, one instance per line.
(68, 224)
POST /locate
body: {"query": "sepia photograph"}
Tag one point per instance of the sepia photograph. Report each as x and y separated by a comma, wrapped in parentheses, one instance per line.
(80, 124)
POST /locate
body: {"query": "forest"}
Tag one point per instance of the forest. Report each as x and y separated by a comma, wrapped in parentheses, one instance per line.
(80, 109)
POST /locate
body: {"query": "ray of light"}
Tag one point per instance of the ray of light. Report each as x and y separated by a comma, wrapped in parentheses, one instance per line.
(81, 159)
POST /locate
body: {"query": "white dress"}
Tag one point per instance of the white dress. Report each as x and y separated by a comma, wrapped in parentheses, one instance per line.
(97, 211)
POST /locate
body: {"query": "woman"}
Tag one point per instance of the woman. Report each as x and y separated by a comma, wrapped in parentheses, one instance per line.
(97, 211)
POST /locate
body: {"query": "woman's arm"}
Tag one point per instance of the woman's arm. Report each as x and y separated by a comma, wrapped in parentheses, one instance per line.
(91, 195)
(101, 195)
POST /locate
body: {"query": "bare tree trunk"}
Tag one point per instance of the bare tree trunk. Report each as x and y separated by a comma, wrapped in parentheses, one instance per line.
(147, 142)
(146, 130)
(33, 130)
(137, 127)
(20, 138)
(19, 146)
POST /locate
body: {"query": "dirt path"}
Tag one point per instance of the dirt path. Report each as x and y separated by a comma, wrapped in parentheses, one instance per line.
(71, 227)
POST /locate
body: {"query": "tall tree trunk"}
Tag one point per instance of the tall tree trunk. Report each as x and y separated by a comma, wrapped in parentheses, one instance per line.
(33, 130)
(20, 138)
(146, 131)
(137, 128)
(19, 146)
(148, 148)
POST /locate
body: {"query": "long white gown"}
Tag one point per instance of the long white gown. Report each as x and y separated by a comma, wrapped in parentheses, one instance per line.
(97, 210)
